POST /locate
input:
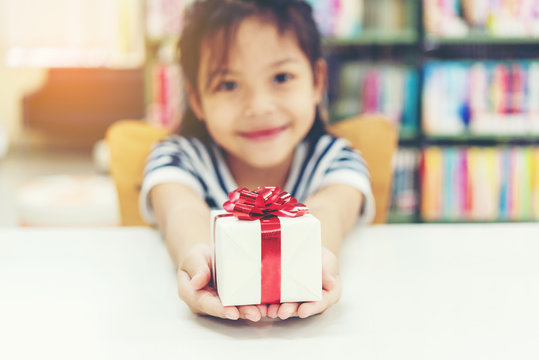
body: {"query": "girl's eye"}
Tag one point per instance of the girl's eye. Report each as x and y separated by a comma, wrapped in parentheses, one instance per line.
(282, 78)
(227, 86)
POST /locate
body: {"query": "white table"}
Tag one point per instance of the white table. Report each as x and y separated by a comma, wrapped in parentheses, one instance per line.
(410, 292)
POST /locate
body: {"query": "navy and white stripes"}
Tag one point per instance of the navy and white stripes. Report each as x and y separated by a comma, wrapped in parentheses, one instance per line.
(188, 161)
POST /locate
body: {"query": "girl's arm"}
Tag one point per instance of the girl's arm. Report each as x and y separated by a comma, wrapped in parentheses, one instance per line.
(184, 220)
(337, 207)
(181, 217)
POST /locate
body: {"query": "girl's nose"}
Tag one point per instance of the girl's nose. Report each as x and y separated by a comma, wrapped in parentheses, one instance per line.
(258, 103)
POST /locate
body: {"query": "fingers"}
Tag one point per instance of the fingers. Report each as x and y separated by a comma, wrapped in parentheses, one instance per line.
(282, 311)
(201, 278)
(194, 278)
(331, 287)
(287, 310)
(208, 302)
(329, 298)
(328, 280)
(203, 301)
(263, 310)
(195, 289)
(250, 312)
(197, 266)
(273, 310)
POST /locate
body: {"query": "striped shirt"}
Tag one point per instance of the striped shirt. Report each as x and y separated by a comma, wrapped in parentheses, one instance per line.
(203, 168)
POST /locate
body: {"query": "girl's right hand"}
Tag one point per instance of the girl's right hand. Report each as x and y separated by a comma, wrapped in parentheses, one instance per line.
(197, 291)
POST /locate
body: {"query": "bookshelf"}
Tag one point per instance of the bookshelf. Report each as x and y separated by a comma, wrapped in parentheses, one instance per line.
(452, 40)
(407, 36)
(480, 112)
(381, 57)
(377, 70)
(480, 37)
(165, 100)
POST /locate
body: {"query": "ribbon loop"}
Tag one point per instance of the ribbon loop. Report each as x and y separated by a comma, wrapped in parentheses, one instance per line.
(263, 202)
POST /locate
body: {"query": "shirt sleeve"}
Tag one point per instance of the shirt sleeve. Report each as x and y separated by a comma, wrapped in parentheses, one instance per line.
(347, 166)
(168, 162)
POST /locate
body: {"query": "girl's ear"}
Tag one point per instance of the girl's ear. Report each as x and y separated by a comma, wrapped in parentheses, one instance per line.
(194, 101)
(320, 79)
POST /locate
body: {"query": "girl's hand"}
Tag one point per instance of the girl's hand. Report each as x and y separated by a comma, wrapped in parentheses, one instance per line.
(194, 287)
(331, 292)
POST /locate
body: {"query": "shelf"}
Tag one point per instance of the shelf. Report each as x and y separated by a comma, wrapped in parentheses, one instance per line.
(461, 221)
(395, 217)
(481, 37)
(372, 37)
(408, 135)
(460, 138)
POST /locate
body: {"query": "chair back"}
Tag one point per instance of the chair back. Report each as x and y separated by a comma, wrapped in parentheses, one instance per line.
(376, 138)
(130, 142)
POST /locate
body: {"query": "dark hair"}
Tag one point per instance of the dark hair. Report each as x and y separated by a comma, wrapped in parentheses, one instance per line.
(205, 19)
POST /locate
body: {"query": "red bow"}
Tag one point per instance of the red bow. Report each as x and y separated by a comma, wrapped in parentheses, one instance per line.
(264, 201)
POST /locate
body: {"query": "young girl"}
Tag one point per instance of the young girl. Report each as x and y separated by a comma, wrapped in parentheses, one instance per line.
(255, 77)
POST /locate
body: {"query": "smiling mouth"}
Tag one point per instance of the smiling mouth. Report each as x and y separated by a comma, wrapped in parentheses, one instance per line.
(264, 134)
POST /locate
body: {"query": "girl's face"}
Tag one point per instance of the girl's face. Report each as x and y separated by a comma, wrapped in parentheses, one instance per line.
(260, 104)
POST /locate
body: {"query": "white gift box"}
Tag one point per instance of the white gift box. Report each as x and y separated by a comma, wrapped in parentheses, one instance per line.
(237, 259)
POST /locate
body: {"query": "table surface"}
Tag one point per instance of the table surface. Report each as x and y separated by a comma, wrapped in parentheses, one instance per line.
(409, 292)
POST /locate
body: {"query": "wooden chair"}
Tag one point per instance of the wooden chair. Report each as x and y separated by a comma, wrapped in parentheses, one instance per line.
(376, 139)
(130, 142)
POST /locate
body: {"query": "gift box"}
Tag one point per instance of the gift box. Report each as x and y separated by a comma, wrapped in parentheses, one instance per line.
(263, 255)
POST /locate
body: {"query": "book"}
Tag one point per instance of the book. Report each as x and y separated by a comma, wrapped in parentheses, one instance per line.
(481, 98)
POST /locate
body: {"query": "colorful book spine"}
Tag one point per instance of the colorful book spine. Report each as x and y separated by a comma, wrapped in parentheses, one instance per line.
(492, 179)
(532, 98)
(518, 89)
(500, 18)
(404, 197)
(431, 183)
(480, 184)
(514, 174)
(386, 89)
(410, 116)
(535, 184)
(448, 184)
(526, 184)
(505, 184)
(482, 98)
(167, 101)
(464, 184)
(338, 18)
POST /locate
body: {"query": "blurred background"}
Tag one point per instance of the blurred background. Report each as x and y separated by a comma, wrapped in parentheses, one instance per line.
(459, 78)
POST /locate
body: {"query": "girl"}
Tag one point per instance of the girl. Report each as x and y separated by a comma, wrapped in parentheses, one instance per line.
(255, 77)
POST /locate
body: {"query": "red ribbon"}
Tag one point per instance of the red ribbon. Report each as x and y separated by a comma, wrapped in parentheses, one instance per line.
(270, 280)
(264, 201)
(266, 204)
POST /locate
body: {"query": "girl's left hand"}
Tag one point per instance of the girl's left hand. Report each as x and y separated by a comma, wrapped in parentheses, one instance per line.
(331, 292)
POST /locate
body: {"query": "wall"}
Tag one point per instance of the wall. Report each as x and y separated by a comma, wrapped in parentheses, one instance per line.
(14, 84)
